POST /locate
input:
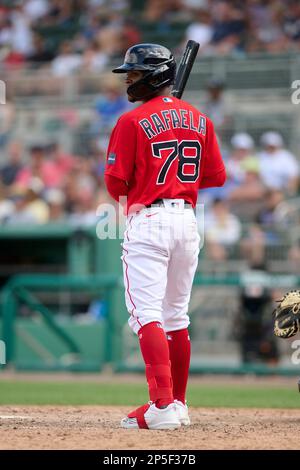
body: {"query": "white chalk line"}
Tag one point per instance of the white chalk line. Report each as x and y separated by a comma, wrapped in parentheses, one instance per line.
(14, 417)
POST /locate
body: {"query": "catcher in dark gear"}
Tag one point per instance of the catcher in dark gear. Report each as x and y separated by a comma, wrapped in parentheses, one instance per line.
(157, 66)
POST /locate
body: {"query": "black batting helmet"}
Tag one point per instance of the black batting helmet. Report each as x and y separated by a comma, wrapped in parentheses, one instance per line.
(158, 65)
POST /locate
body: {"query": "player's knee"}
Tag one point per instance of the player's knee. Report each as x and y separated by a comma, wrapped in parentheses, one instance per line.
(174, 324)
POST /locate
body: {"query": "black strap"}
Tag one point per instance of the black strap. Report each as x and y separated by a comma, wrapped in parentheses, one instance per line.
(160, 202)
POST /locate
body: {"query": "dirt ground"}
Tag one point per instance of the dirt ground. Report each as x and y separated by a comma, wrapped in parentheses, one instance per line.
(97, 427)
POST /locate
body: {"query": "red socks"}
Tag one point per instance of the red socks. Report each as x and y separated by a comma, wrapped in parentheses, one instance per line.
(180, 355)
(155, 351)
(165, 382)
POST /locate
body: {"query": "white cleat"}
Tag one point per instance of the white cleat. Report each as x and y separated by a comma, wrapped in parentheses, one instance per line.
(151, 417)
(182, 413)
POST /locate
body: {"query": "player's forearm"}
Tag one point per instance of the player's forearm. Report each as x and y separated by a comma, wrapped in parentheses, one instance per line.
(116, 187)
(213, 181)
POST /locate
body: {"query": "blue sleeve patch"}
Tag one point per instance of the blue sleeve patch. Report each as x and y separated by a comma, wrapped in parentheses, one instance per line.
(111, 159)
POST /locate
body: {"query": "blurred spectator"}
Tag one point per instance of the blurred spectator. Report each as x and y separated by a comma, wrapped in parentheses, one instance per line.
(245, 188)
(22, 35)
(253, 245)
(35, 205)
(30, 208)
(154, 10)
(61, 13)
(222, 229)
(265, 26)
(279, 168)
(115, 5)
(130, 34)
(110, 105)
(215, 105)
(229, 27)
(162, 12)
(81, 179)
(195, 5)
(93, 59)
(109, 36)
(66, 62)
(294, 258)
(7, 206)
(7, 119)
(247, 198)
(15, 30)
(10, 170)
(268, 216)
(6, 29)
(291, 24)
(84, 210)
(41, 54)
(200, 30)
(12, 59)
(46, 170)
(62, 162)
(36, 9)
(55, 199)
(242, 149)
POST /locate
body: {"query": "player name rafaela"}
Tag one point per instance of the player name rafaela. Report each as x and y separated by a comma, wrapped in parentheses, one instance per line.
(167, 119)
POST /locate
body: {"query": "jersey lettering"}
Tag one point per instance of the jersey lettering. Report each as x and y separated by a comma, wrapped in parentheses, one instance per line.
(161, 150)
(166, 119)
(175, 118)
(166, 116)
(159, 126)
(192, 127)
(184, 122)
(145, 124)
(202, 125)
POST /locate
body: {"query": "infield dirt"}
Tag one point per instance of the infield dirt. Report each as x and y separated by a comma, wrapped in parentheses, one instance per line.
(97, 427)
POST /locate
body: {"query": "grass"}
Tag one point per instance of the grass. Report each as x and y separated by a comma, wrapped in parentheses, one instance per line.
(133, 394)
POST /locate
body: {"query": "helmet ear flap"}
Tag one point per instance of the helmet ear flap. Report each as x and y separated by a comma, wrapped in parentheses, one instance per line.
(160, 69)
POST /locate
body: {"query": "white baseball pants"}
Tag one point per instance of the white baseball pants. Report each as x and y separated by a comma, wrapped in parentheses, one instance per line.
(160, 256)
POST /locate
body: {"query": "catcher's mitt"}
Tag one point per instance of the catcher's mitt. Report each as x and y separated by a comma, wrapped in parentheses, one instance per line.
(287, 315)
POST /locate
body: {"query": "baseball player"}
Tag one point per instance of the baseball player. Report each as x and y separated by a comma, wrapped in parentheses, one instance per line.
(158, 157)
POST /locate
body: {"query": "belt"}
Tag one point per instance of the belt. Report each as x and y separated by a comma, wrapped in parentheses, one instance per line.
(160, 203)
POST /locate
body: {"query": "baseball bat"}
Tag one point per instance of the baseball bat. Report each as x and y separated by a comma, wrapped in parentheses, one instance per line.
(185, 68)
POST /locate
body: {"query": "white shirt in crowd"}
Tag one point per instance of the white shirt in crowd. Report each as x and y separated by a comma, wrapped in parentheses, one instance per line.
(200, 32)
(64, 65)
(22, 40)
(35, 9)
(278, 168)
(226, 231)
